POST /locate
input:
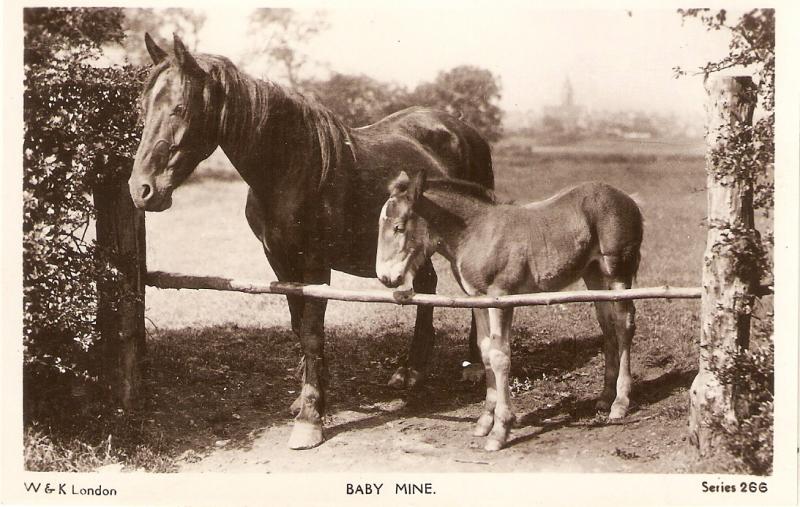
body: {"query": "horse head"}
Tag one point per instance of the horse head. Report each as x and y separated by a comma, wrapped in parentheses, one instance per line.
(404, 241)
(179, 125)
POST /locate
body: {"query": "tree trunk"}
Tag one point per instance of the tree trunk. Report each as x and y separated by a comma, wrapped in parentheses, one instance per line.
(730, 273)
(120, 316)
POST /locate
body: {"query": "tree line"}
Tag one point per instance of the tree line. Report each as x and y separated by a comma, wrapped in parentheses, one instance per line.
(277, 50)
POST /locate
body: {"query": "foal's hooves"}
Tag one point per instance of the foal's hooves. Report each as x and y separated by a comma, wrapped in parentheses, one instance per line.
(618, 411)
(484, 425)
(305, 435)
(493, 445)
(398, 380)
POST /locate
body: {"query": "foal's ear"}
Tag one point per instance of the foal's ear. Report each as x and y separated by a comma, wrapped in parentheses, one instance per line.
(185, 60)
(156, 53)
(417, 185)
(400, 184)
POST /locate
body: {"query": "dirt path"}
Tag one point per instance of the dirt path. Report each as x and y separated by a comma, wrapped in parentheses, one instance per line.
(389, 437)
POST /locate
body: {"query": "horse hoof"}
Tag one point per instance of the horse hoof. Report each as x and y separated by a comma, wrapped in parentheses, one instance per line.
(618, 411)
(493, 445)
(473, 373)
(305, 435)
(484, 425)
(398, 380)
(414, 378)
(296, 404)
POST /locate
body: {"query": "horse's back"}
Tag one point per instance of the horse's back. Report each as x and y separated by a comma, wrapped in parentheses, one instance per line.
(460, 150)
(555, 239)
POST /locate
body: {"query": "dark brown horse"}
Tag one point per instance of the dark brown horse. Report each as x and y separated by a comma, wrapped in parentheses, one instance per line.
(316, 186)
(592, 231)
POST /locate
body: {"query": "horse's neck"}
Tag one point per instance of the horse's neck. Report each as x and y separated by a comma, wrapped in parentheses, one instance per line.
(449, 217)
(254, 141)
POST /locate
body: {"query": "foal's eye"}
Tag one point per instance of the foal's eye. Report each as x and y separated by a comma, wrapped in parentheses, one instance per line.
(398, 229)
(178, 110)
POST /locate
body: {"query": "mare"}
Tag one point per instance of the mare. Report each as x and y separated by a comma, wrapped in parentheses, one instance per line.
(316, 187)
(591, 231)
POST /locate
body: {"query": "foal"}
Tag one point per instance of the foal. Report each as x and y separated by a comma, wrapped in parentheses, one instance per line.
(592, 231)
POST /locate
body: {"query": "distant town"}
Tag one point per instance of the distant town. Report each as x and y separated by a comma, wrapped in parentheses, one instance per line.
(570, 121)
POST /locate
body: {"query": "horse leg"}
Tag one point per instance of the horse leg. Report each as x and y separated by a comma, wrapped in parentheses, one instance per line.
(474, 371)
(500, 360)
(605, 316)
(281, 266)
(484, 425)
(625, 326)
(412, 372)
(307, 429)
(296, 304)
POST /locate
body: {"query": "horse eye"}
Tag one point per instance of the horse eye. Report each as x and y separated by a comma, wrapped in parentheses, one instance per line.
(178, 109)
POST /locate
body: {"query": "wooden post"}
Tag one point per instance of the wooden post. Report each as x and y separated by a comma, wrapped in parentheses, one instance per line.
(730, 273)
(120, 319)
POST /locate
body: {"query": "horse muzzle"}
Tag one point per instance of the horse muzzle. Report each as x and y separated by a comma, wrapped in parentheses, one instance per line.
(147, 196)
(395, 277)
(391, 282)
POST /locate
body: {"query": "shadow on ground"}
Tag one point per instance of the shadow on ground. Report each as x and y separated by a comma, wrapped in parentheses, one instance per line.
(225, 385)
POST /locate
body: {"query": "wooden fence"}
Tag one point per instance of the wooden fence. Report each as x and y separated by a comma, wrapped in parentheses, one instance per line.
(726, 297)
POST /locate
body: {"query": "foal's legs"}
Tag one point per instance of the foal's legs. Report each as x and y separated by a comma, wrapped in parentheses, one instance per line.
(617, 321)
(624, 325)
(497, 349)
(486, 419)
(605, 316)
(410, 373)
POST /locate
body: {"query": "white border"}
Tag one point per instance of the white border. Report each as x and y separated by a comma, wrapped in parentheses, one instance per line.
(452, 489)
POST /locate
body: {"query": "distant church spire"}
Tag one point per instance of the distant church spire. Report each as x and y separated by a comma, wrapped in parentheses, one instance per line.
(567, 98)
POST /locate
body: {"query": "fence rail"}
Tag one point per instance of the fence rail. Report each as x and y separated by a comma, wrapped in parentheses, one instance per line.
(165, 280)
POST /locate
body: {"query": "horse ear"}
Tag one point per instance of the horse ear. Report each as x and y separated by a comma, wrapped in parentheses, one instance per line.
(185, 60)
(418, 185)
(400, 184)
(156, 53)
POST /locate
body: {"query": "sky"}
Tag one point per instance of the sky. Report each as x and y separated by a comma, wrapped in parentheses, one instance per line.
(615, 59)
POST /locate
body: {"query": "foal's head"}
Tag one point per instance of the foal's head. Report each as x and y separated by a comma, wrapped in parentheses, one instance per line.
(179, 130)
(404, 240)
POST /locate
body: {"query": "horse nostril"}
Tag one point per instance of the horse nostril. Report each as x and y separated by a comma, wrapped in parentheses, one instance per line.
(146, 191)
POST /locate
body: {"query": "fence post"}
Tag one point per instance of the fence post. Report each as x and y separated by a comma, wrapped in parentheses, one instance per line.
(730, 273)
(120, 315)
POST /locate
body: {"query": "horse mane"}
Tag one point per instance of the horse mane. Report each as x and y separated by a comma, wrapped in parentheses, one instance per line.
(245, 105)
(463, 188)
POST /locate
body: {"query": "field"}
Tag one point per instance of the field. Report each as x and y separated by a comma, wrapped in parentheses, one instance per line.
(220, 371)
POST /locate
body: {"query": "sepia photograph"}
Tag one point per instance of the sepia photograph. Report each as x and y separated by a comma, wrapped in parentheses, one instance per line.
(329, 252)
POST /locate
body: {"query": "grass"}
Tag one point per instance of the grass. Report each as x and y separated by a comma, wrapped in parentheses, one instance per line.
(221, 365)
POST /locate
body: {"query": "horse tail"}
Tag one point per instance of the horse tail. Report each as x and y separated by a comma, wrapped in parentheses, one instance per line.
(636, 255)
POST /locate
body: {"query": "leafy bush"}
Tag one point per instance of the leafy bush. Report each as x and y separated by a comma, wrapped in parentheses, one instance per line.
(80, 132)
(750, 440)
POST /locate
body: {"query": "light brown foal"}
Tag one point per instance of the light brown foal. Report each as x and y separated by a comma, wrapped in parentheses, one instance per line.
(591, 231)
